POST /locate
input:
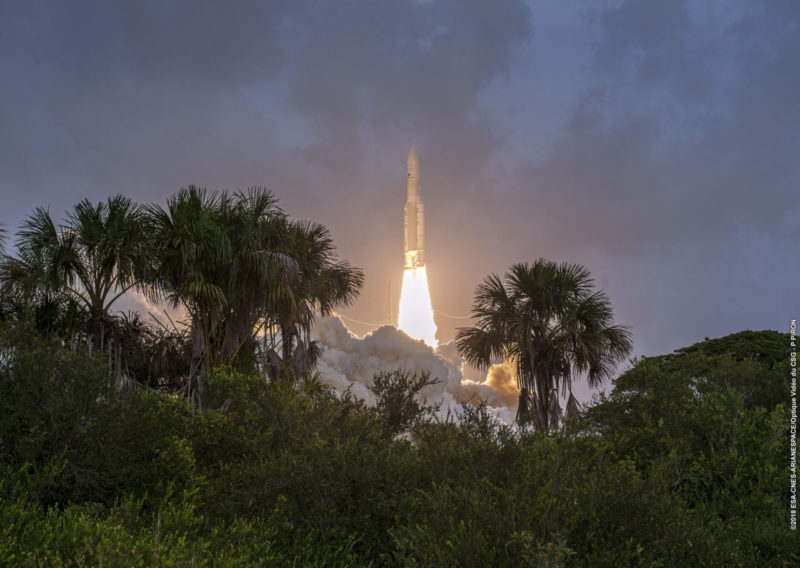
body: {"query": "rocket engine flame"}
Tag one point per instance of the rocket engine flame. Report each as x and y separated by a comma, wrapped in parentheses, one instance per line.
(415, 314)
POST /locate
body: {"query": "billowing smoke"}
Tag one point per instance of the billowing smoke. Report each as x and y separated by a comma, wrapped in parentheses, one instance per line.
(499, 388)
(350, 362)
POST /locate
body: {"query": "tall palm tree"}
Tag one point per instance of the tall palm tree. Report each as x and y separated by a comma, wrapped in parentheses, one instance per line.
(549, 322)
(321, 284)
(97, 255)
(237, 263)
(219, 255)
(264, 262)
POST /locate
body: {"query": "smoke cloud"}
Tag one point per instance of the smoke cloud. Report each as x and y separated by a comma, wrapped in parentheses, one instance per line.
(349, 361)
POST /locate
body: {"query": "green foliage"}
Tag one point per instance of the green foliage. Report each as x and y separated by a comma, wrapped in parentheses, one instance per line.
(708, 423)
(216, 256)
(84, 265)
(49, 400)
(237, 263)
(768, 348)
(549, 322)
(234, 261)
(681, 465)
(321, 283)
(397, 393)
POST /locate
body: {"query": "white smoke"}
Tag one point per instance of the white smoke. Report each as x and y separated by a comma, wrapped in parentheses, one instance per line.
(350, 362)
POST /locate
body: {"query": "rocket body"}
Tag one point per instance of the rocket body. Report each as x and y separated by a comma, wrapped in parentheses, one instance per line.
(414, 215)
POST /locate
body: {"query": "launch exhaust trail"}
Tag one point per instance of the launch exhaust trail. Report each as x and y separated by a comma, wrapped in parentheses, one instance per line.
(415, 314)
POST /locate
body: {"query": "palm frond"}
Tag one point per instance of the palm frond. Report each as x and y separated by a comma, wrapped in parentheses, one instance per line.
(573, 407)
(547, 318)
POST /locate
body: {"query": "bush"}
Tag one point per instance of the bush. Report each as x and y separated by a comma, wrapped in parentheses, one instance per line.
(398, 405)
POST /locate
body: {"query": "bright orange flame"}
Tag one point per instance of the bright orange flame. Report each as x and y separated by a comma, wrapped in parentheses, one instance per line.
(415, 315)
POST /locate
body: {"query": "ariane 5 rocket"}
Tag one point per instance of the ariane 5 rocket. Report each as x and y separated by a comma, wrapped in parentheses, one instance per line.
(414, 213)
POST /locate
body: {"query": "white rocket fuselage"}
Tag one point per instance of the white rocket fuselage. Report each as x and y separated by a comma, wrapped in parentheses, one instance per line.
(414, 213)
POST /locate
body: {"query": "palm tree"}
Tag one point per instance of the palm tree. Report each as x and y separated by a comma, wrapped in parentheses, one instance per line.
(219, 256)
(150, 354)
(548, 321)
(237, 263)
(90, 261)
(322, 283)
(264, 262)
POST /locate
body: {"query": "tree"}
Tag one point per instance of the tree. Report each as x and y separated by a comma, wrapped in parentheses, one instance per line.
(549, 322)
(397, 393)
(321, 284)
(237, 263)
(4, 303)
(100, 253)
(219, 256)
(7, 306)
(708, 425)
(666, 397)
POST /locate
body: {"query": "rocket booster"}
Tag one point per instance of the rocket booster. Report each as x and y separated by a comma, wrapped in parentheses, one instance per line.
(414, 213)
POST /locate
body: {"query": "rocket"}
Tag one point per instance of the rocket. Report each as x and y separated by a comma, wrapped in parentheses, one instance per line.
(413, 213)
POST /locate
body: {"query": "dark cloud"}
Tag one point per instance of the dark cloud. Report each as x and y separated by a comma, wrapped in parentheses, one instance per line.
(679, 170)
(654, 142)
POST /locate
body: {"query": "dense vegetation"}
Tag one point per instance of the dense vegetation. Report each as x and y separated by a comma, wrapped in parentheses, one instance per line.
(218, 451)
(681, 465)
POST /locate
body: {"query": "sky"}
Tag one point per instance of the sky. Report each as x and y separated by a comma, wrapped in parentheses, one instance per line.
(655, 143)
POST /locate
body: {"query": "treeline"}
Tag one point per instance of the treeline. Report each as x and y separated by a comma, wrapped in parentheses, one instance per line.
(251, 282)
(683, 464)
(236, 263)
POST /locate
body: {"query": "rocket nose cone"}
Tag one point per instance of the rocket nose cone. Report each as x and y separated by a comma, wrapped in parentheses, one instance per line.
(412, 155)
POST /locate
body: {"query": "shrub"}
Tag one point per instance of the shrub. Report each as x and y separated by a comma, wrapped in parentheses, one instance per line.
(398, 405)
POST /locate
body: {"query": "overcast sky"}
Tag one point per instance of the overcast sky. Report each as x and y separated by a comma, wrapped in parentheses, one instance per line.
(656, 143)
